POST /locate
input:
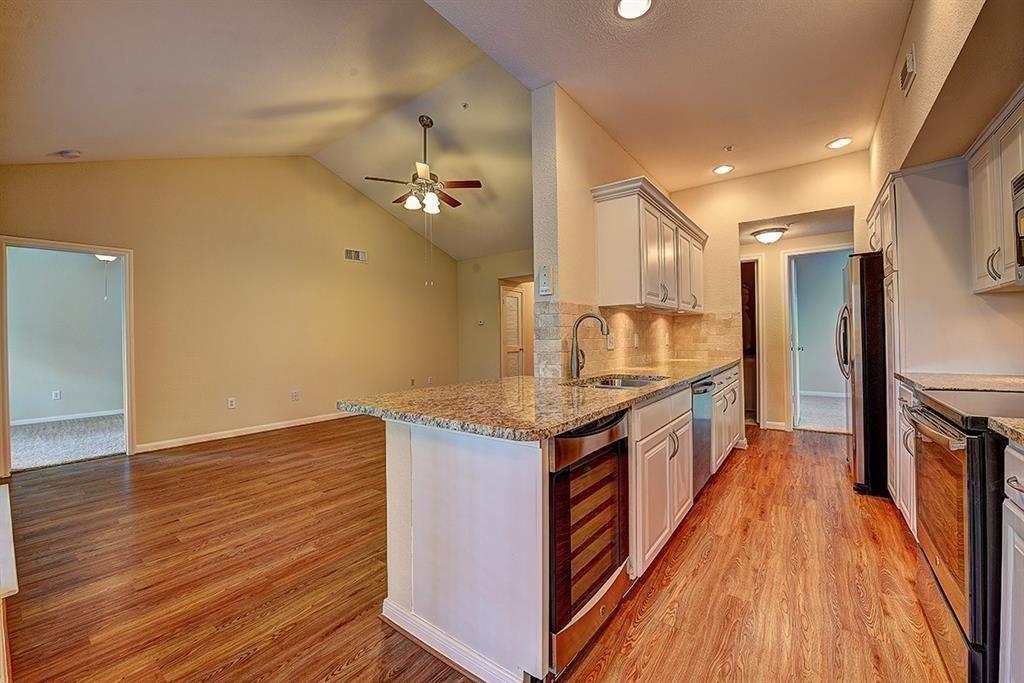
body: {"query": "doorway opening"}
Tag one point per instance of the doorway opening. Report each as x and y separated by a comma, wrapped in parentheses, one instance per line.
(750, 293)
(819, 389)
(516, 325)
(65, 350)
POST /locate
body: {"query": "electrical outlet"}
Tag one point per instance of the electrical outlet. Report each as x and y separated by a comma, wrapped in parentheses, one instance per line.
(545, 286)
(610, 341)
(412, 381)
(636, 340)
(295, 394)
(56, 395)
(232, 404)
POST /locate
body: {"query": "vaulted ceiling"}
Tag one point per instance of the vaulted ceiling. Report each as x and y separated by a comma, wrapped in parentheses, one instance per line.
(777, 80)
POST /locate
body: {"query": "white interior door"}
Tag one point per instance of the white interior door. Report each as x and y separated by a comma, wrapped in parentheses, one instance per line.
(794, 344)
(511, 332)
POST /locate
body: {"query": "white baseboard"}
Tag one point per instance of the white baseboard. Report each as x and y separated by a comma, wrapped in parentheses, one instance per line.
(825, 394)
(62, 418)
(781, 426)
(449, 648)
(242, 431)
(742, 444)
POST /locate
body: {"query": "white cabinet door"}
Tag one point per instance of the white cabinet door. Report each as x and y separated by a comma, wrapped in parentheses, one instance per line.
(1009, 142)
(697, 276)
(651, 244)
(669, 263)
(982, 174)
(681, 468)
(1011, 635)
(719, 430)
(684, 291)
(906, 499)
(887, 226)
(655, 503)
(734, 415)
(874, 232)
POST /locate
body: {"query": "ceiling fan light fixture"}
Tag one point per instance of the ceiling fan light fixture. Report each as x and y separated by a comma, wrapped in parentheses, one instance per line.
(431, 199)
(769, 235)
(412, 203)
(431, 208)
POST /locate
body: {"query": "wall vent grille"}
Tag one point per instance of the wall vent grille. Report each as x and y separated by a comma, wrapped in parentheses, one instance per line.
(356, 255)
(1018, 184)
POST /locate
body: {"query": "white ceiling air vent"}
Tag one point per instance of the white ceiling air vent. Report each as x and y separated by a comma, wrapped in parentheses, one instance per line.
(908, 71)
(357, 255)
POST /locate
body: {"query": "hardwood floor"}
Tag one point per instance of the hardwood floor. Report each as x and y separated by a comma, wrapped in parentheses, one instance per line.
(263, 557)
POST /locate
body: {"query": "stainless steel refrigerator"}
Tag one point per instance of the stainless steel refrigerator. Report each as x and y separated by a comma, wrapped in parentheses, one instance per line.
(860, 351)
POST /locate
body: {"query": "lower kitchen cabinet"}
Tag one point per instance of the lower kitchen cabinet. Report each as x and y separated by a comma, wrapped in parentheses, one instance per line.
(681, 468)
(653, 457)
(1011, 656)
(663, 477)
(726, 424)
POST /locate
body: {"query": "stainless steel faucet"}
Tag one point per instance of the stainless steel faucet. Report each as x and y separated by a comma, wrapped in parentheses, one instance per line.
(578, 359)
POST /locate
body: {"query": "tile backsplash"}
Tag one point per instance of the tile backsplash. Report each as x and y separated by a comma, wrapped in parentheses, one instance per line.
(641, 337)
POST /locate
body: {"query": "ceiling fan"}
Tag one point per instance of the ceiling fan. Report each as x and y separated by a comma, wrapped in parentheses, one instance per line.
(427, 191)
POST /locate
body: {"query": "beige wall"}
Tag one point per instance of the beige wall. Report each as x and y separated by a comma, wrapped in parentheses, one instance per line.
(938, 30)
(478, 299)
(571, 154)
(774, 348)
(65, 334)
(240, 285)
(719, 209)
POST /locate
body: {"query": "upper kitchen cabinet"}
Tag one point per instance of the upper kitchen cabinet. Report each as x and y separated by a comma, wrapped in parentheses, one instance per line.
(993, 162)
(649, 253)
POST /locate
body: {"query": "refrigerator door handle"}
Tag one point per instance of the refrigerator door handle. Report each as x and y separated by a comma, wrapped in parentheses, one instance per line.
(842, 341)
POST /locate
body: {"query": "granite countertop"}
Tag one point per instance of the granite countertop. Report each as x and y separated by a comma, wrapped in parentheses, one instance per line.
(526, 408)
(1010, 427)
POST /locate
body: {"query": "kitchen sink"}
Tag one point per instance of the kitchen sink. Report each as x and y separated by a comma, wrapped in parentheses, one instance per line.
(619, 381)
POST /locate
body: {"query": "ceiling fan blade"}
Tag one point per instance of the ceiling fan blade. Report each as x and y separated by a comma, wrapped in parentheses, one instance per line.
(401, 200)
(451, 184)
(448, 199)
(385, 180)
(422, 170)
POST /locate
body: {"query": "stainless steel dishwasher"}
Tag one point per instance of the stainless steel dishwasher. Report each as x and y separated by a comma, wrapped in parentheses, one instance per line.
(701, 390)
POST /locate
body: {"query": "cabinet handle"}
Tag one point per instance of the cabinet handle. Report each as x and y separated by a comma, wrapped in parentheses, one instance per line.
(906, 444)
(725, 408)
(694, 299)
(995, 271)
(888, 253)
(871, 241)
(675, 445)
(734, 397)
(1014, 484)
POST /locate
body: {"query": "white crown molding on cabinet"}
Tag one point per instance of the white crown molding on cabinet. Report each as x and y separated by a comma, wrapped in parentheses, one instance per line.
(1011, 104)
(645, 188)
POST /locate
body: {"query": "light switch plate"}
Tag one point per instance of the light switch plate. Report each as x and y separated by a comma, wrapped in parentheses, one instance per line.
(610, 341)
(544, 285)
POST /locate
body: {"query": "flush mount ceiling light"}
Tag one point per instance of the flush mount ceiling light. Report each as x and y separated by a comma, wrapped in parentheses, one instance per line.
(632, 9)
(722, 170)
(839, 143)
(105, 257)
(769, 235)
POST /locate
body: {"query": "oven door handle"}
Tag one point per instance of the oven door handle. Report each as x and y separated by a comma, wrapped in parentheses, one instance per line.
(940, 434)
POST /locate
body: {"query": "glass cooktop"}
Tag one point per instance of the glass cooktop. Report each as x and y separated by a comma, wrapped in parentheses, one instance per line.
(971, 409)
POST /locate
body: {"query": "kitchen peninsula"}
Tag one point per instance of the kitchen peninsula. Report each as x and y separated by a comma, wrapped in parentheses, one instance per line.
(472, 501)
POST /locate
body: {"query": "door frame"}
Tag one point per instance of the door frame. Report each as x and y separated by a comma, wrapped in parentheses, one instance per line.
(128, 341)
(503, 290)
(787, 256)
(758, 261)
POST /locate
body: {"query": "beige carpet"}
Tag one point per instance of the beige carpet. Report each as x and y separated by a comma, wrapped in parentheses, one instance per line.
(823, 414)
(54, 443)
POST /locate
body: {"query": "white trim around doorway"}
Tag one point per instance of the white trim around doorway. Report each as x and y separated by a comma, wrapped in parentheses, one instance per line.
(758, 261)
(787, 256)
(129, 336)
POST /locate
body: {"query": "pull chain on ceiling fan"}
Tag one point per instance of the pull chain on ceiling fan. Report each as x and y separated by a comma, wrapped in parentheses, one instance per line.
(426, 190)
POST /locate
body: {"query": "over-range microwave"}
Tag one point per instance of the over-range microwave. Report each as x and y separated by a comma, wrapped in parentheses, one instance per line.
(1017, 188)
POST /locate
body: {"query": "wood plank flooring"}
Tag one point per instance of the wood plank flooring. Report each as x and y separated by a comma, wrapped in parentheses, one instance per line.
(263, 557)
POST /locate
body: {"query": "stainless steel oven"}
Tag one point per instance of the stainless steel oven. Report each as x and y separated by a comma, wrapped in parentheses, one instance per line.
(589, 489)
(958, 468)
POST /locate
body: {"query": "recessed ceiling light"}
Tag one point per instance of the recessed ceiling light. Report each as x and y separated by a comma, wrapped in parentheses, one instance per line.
(768, 235)
(839, 143)
(722, 170)
(105, 257)
(632, 9)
